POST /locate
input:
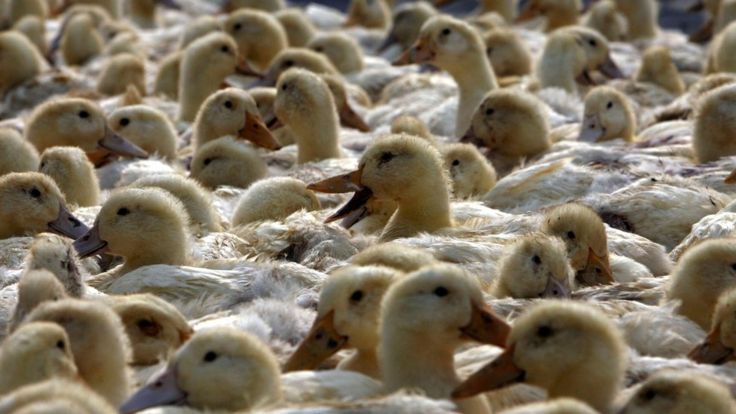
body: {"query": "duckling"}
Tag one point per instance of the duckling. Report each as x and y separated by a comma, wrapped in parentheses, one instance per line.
(35, 352)
(231, 111)
(305, 104)
(274, 199)
(456, 47)
(35, 30)
(348, 116)
(225, 161)
(604, 17)
(143, 12)
(147, 127)
(19, 60)
(32, 203)
(702, 274)
(348, 316)
(426, 315)
(98, 343)
(680, 392)
(342, 50)
(57, 255)
(657, 68)
(55, 396)
(408, 19)
(570, 349)
(507, 53)
(296, 58)
(76, 122)
(16, 154)
(299, 29)
(720, 343)
(81, 41)
(642, 17)
(167, 77)
(402, 168)
(111, 7)
(245, 26)
(264, 5)
(198, 28)
(154, 326)
(715, 108)
(73, 173)
(535, 266)
(34, 288)
(396, 256)
(471, 173)
(372, 14)
(608, 115)
(407, 124)
(145, 226)
(120, 71)
(557, 13)
(504, 8)
(18, 9)
(585, 236)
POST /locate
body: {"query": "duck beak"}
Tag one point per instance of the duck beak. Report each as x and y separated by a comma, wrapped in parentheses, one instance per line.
(610, 68)
(163, 390)
(597, 270)
(185, 335)
(705, 33)
(500, 372)
(712, 350)
(256, 131)
(530, 11)
(119, 145)
(245, 69)
(274, 123)
(387, 42)
(352, 20)
(321, 342)
(349, 118)
(471, 137)
(66, 224)
(420, 52)
(731, 179)
(91, 243)
(486, 327)
(556, 289)
(171, 4)
(61, 9)
(584, 78)
(346, 183)
(442, 3)
(591, 129)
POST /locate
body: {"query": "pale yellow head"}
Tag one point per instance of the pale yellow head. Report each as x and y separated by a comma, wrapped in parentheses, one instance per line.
(260, 37)
(342, 50)
(16, 154)
(75, 175)
(147, 127)
(226, 161)
(274, 198)
(608, 114)
(19, 60)
(471, 173)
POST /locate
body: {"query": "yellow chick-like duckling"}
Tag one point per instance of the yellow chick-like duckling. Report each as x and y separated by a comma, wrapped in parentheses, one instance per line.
(608, 115)
(34, 288)
(719, 57)
(144, 12)
(299, 29)
(508, 54)
(274, 199)
(720, 344)
(535, 266)
(120, 71)
(557, 13)
(408, 19)
(18, 9)
(225, 161)
(342, 50)
(147, 127)
(111, 7)
(32, 203)
(604, 17)
(411, 125)
(34, 28)
(715, 108)
(16, 154)
(19, 60)
(80, 40)
(471, 173)
(290, 58)
(260, 37)
(394, 255)
(167, 77)
(373, 14)
(73, 173)
(56, 396)
(57, 255)
(570, 349)
(657, 68)
(642, 17)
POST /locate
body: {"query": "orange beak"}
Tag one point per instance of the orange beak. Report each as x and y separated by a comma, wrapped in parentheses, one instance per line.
(731, 179)
(349, 118)
(256, 131)
(321, 342)
(421, 52)
(500, 372)
(245, 69)
(597, 270)
(345, 183)
(712, 350)
(486, 327)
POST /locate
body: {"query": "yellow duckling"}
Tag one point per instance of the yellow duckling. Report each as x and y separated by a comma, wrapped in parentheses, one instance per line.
(56, 396)
(508, 54)
(471, 173)
(604, 17)
(339, 90)
(260, 37)
(120, 71)
(569, 349)
(718, 347)
(80, 40)
(264, 5)
(394, 255)
(373, 14)
(111, 7)
(505, 8)
(147, 127)
(57, 255)
(642, 17)
(264, 98)
(98, 343)
(608, 115)
(197, 28)
(342, 50)
(34, 288)
(715, 108)
(16, 154)
(556, 13)
(296, 58)
(299, 30)
(304, 103)
(657, 68)
(18, 9)
(19, 60)
(34, 28)
(703, 273)
(408, 19)
(225, 161)
(719, 58)
(411, 125)
(535, 266)
(73, 173)
(167, 77)
(456, 47)
(35, 352)
(144, 12)
(404, 169)
(32, 203)
(347, 317)
(274, 199)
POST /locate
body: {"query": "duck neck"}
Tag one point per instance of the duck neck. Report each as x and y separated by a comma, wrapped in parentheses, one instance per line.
(317, 135)
(171, 250)
(475, 78)
(557, 67)
(420, 211)
(197, 81)
(364, 361)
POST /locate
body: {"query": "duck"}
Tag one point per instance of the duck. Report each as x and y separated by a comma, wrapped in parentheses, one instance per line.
(34, 288)
(273, 198)
(80, 39)
(347, 318)
(710, 144)
(417, 345)
(411, 125)
(18, 9)
(225, 161)
(144, 12)
(535, 266)
(35, 352)
(456, 47)
(245, 26)
(97, 340)
(407, 22)
(608, 115)
(196, 200)
(16, 154)
(56, 395)
(299, 29)
(471, 173)
(642, 18)
(296, 58)
(166, 83)
(504, 8)
(719, 344)
(339, 89)
(27, 62)
(73, 173)
(404, 169)
(76, 122)
(147, 127)
(657, 68)
(394, 255)
(111, 7)
(372, 14)
(120, 71)
(557, 13)
(507, 53)
(33, 27)
(563, 347)
(263, 5)
(32, 203)
(57, 255)
(154, 327)
(604, 17)
(342, 50)
(701, 275)
(198, 28)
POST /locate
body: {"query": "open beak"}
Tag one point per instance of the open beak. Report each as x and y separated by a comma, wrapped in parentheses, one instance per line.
(486, 327)
(274, 123)
(591, 129)
(163, 390)
(500, 372)
(90, 243)
(256, 131)
(597, 270)
(171, 4)
(556, 289)
(349, 118)
(731, 179)
(346, 183)
(119, 145)
(712, 350)
(610, 68)
(420, 52)
(584, 78)
(321, 342)
(66, 224)
(245, 69)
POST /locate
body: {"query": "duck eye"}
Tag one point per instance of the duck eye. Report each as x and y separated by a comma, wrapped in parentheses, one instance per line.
(288, 63)
(124, 122)
(123, 211)
(536, 259)
(43, 165)
(649, 394)
(733, 266)
(571, 235)
(228, 105)
(284, 87)
(445, 32)
(35, 192)
(455, 163)
(489, 111)
(544, 331)
(83, 114)
(60, 344)
(209, 356)
(610, 105)
(356, 296)
(318, 49)
(489, 50)
(441, 291)
(207, 161)
(225, 49)
(592, 42)
(237, 27)
(385, 157)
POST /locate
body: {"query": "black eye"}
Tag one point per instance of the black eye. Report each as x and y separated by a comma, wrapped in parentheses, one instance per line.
(207, 161)
(123, 211)
(237, 27)
(455, 163)
(228, 105)
(318, 49)
(83, 114)
(225, 49)
(441, 291)
(331, 343)
(209, 356)
(489, 50)
(489, 111)
(124, 122)
(536, 259)
(284, 87)
(610, 105)
(288, 63)
(649, 394)
(385, 157)
(733, 266)
(43, 165)
(571, 235)
(60, 344)
(445, 32)
(356, 296)
(35, 193)
(544, 331)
